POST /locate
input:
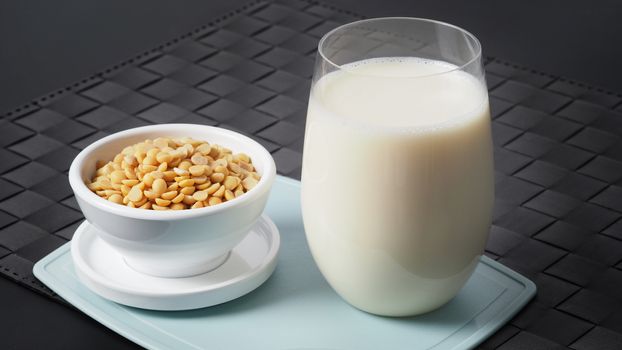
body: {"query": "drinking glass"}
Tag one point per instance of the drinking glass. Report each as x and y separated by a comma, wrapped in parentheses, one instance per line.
(397, 177)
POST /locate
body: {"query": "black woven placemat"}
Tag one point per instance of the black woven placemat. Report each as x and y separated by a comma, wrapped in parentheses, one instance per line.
(558, 155)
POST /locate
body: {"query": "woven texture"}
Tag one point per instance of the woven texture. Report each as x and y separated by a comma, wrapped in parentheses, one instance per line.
(558, 158)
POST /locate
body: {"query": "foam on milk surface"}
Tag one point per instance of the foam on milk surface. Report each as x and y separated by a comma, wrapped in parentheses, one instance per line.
(402, 92)
(397, 221)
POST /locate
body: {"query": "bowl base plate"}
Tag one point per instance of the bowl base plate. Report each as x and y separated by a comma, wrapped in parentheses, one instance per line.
(104, 271)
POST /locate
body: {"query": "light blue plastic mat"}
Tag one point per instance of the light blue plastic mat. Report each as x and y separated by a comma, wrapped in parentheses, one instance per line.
(296, 309)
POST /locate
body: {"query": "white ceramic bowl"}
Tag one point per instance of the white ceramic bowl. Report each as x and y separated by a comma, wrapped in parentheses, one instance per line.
(172, 243)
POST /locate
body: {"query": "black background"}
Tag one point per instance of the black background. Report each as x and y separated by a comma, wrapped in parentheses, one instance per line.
(49, 44)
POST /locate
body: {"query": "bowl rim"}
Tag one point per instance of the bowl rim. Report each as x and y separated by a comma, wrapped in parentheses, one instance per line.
(84, 193)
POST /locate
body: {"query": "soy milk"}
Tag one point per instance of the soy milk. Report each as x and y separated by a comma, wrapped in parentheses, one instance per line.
(397, 182)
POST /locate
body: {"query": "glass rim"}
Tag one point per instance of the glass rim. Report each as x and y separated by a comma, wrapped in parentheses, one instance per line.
(477, 46)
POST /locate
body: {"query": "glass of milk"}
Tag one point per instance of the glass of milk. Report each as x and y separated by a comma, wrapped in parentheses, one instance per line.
(397, 177)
